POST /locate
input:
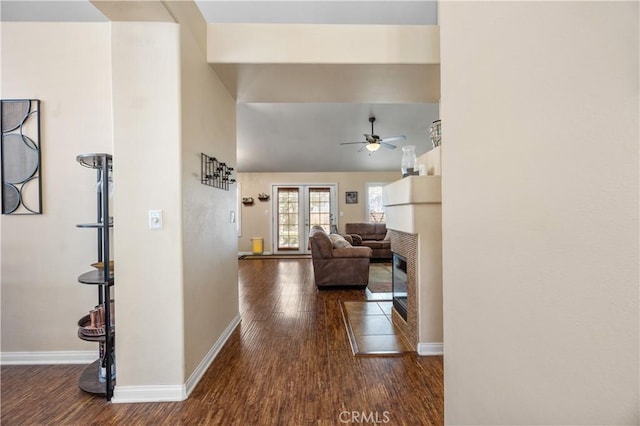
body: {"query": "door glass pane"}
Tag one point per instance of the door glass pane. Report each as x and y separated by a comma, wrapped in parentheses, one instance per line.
(288, 214)
(374, 204)
(320, 208)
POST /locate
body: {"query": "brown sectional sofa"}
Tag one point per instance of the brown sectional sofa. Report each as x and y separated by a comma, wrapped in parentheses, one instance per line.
(372, 235)
(337, 263)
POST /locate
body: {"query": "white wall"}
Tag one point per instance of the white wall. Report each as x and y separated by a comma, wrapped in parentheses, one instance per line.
(540, 212)
(67, 66)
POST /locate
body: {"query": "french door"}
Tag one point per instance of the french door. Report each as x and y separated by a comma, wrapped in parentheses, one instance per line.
(297, 208)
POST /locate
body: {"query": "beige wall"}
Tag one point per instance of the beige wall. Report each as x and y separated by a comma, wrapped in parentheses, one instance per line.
(148, 174)
(66, 66)
(540, 212)
(210, 239)
(256, 219)
(431, 160)
(290, 62)
(194, 282)
(167, 106)
(316, 44)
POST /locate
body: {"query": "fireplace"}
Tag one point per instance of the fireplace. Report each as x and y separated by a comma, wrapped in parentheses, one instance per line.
(399, 286)
(414, 217)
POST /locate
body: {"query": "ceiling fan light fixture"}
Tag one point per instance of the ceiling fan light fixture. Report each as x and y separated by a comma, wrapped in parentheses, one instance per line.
(373, 142)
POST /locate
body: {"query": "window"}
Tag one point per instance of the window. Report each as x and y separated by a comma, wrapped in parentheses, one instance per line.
(320, 207)
(375, 209)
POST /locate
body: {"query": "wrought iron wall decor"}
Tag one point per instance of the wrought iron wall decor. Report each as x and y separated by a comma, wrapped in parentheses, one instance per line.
(20, 151)
(215, 173)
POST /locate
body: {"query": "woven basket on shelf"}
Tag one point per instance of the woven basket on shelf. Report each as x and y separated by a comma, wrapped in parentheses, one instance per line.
(100, 265)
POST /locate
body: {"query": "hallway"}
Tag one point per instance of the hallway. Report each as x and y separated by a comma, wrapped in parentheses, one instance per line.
(288, 363)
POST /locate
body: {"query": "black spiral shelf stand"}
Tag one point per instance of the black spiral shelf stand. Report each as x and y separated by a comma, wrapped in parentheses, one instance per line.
(103, 279)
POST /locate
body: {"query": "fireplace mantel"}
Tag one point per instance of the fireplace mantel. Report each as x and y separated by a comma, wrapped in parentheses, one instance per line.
(404, 201)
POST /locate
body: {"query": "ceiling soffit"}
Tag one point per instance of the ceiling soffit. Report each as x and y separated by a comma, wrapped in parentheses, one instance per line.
(133, 11)
(331, 83)
(302, 63)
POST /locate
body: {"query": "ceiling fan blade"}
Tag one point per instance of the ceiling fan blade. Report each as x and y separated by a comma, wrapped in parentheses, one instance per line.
(363, 147)
(387, 145)
(394, 138)
(351, 143)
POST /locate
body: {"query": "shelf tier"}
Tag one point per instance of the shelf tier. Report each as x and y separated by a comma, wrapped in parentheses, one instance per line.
(89, 380)
(93, 225)
(96, 339)
(83, 322)
(95, 277)
(94, 161)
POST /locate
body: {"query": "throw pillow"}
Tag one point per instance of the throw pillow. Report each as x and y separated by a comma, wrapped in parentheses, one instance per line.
(338, 241)
(357, 239)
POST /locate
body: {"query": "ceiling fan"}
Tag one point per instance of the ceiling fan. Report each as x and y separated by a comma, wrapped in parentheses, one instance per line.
(373, 142)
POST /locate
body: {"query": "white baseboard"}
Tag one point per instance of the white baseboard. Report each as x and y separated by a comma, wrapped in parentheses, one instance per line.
(211, 355)
(430, 349)
(250, 253)
(156, 393)
(48, 358)
(169, 393)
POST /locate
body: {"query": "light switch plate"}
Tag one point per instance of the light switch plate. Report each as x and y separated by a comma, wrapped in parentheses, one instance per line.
(155, 219)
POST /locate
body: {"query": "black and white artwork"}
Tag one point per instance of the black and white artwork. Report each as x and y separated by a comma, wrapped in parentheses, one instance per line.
(20, 150)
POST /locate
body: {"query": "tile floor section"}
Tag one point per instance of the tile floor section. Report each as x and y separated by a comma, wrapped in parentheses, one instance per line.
(378, 296)
(371, 330)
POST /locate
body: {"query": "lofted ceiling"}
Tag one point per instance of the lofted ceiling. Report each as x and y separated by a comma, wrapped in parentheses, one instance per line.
(306, 136)
(302, 132)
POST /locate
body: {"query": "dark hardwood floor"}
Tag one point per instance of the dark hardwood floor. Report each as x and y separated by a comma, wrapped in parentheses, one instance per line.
(288, 363)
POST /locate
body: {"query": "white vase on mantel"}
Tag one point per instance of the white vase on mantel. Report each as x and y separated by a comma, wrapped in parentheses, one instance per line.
(409, 161)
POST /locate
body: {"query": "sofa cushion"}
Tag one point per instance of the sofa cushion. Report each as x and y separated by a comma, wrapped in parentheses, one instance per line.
(353, 252)
(368, 231)
(377, 244)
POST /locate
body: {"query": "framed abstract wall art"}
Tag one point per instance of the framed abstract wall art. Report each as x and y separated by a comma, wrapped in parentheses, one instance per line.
(20, 156)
